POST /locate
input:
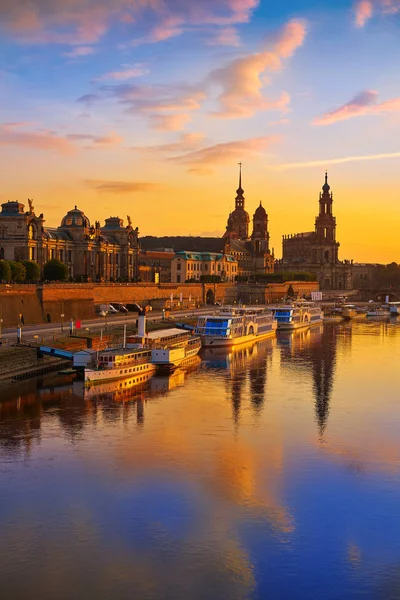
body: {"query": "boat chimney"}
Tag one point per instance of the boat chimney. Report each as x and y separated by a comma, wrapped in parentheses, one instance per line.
(142, 324)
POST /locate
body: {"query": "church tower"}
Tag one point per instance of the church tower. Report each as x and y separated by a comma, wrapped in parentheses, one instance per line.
(325, 223)
(262, 258)
(326, 248)
(238, 222)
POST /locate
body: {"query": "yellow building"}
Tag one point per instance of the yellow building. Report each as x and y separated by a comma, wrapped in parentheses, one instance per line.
(196, 265)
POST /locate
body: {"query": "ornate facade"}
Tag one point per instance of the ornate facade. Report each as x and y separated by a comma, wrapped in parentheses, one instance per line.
(317, 251)
(91, 252)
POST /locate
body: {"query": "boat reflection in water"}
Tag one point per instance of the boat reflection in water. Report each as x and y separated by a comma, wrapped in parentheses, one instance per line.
(132, 387)
(237, 357)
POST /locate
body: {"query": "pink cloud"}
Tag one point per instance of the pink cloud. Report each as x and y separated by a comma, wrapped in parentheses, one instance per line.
(243, 80)
(227, 152)
(80, 51)
(127, 72)
(365, 9)
(98, 141)
(365, 103)
(227, 36)
(174, 122)
(363, 12)
(12, 135)
(86, 21)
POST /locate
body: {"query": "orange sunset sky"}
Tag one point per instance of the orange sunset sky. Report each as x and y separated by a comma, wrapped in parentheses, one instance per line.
(145, 107)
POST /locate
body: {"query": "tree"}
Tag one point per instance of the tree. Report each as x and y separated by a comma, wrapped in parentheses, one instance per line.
(55, 270)
(32, 270)
(5, 271)
(18, 271)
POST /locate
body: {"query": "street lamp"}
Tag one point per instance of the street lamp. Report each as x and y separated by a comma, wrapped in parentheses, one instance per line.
(62, 315)
(1, 323)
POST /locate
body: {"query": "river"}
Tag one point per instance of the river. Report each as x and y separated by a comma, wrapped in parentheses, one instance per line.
(268, 472)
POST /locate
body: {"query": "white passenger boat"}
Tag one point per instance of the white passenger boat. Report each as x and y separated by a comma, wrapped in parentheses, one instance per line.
(349, 311)
(394, 308)
(173, 348)
(235, 325)
(120, 363)
(378, 311)
(297, 314)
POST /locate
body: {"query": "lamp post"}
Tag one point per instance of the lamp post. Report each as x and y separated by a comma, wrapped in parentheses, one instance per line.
(1, 323)
(62, 315)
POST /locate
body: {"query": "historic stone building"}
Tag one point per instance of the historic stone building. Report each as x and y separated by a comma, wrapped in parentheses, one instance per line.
(317, 251)
(91, 252)
(197, 265)
(250, 251)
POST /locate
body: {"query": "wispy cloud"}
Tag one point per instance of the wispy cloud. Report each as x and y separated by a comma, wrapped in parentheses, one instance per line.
(166, 107)
(243, 80)
(186, 142)
(127, 72)
(227, 36)
(13, 134)
(85, 22)
(327, 162)
(80, 51)
(364, 103)
(364, 10)
(174, 122)
(122, 187)
(98, 141)
(226, 153)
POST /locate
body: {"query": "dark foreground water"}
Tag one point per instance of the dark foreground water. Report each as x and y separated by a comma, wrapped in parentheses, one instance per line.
(270, 472)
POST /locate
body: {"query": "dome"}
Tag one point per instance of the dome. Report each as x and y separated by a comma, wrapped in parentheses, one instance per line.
(260, 212)
(239, 214)
(75, 218)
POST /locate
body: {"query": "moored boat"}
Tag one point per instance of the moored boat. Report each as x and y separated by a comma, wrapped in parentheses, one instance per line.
(235, 325)
(120, 363)
(349, 311)
(297, 315)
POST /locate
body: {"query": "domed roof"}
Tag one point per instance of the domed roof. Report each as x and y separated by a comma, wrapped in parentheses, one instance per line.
(260, 213)
(75, 218)
(239, 214)
(326, 187)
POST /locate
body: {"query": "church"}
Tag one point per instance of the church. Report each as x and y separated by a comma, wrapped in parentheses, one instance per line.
(251, 251)
(317, 251)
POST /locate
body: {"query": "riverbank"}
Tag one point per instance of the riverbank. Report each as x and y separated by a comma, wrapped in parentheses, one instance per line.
(18, 363)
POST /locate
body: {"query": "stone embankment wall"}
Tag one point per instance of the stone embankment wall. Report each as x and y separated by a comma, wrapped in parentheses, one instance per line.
(274, 292)
(46, 303)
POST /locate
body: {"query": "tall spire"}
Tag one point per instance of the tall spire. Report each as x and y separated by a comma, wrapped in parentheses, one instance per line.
(240, 190)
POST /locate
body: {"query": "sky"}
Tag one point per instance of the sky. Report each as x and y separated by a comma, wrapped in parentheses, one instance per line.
(146, 107)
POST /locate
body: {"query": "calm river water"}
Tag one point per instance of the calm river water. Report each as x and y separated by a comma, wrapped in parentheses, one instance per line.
(270, 472)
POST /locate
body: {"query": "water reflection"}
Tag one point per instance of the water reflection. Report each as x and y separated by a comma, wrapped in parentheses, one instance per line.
(314, 350)
(268, 471)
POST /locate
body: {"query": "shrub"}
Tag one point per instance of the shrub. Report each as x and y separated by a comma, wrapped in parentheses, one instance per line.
(18, 271)
(5, 271)
(32, 270)
(55, 270)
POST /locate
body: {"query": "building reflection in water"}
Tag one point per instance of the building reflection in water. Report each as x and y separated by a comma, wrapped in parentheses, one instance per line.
(314, 350)
(240, 364)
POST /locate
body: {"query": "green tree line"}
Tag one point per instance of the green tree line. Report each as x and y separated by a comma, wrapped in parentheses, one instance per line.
(27, 271)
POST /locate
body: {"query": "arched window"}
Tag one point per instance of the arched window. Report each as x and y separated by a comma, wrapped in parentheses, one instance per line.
(1, 253)
(31, 232)
(326, 256)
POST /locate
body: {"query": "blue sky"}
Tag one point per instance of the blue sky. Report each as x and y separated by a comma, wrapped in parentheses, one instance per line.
(154, 102)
